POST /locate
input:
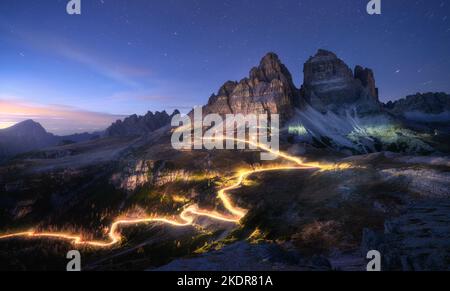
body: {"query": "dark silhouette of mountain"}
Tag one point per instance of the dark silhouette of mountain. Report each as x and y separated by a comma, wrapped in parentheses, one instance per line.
(330, 85)
(140, 125)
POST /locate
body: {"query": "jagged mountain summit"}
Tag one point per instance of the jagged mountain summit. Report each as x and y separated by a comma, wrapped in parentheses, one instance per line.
(25, 136)
(335, 107)
(329, 84)
(268, 89)
(140, 125)
(83, 187)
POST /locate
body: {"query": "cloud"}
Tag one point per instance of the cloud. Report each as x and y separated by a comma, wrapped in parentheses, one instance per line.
(124, 73)
(55, 118)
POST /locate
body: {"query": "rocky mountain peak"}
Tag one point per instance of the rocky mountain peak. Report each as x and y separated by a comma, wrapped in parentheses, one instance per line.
(322, 55)
(271, 68)
(367, 78)
(268, 89)
(330, 84)
(135, 125)
(326, 68)
(227, 88)
(28, 128)
(426, 103)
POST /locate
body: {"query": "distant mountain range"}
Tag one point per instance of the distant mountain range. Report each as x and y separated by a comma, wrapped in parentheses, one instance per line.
(335, 107)
(427, 107)
(140, 125)
(29, 135)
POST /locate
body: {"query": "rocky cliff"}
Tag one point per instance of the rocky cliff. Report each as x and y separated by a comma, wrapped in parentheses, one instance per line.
(429, 107)
(335, 107)
(330, 85)
(268, 89)
(140, 125)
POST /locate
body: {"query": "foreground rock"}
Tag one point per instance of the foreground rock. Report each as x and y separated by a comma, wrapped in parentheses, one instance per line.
(243, 256)
(428, 107)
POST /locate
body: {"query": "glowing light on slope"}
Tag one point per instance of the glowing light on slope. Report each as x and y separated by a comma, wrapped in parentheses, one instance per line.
(187, 216)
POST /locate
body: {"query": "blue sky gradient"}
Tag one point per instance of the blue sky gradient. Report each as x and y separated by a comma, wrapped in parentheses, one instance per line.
(122, 57)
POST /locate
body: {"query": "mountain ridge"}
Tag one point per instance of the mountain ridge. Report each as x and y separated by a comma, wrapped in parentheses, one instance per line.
(334, 106)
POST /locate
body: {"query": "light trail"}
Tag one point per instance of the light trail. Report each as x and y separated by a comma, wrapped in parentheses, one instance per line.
(187, 216)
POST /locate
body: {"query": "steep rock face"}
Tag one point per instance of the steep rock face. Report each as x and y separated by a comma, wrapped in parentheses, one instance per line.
(140, 125)
(367, 78)
(268, 89)
(431, 107)
(341, 110)
(329, 84)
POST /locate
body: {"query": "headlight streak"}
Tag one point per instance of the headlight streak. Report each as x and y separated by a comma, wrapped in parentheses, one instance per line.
(187, 216)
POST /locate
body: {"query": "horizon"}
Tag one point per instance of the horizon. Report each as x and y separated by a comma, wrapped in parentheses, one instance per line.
(126, 116)
(119, 59)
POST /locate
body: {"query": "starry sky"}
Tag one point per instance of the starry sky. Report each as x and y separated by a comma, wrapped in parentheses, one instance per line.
(76, 73)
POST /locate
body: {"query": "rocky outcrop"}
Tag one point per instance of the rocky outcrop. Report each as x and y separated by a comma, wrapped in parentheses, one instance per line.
(249, 257)
(268, 89)
(329, 84)
(30, 131)
(417, 240)
(134, 175)
(367, 78)
(140, 125)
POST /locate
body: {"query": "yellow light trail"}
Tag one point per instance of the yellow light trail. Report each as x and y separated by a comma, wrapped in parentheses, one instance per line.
(187, 216)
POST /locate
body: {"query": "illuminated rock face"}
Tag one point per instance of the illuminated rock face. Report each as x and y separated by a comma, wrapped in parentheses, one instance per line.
(329, 84)
(268, 89)
(132, 176)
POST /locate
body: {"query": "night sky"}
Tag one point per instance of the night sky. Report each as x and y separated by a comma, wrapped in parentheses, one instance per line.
(78, 73)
